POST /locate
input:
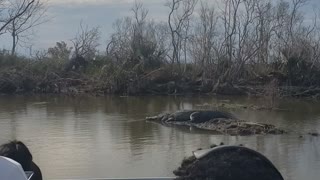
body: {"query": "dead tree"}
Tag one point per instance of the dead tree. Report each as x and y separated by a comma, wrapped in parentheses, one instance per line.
(179, 23)
(21, 27)
(138, 44)
(9, 12)
(86, 42)
(205, 45)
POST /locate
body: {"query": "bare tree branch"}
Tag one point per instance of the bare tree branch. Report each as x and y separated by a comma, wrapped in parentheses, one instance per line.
(20, 27)
(14, 12)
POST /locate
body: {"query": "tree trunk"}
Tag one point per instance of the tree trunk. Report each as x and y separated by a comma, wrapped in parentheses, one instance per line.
(14, 39)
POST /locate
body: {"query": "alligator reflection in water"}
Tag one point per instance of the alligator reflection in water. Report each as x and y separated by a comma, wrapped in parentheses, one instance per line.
(216, 121)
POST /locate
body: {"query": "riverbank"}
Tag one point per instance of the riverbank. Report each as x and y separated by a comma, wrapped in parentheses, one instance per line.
(20, 75)
(158, 82)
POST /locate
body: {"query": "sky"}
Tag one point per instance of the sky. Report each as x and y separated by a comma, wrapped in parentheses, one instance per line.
(65, 17)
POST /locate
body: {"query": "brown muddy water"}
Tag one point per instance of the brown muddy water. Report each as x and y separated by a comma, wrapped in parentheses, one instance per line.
(106, 137)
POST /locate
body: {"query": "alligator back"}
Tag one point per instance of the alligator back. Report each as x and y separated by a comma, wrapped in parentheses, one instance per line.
(204, 116)
(181, 115)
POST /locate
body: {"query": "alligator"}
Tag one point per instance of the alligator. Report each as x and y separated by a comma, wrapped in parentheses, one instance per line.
(192, 116)
(217, 121)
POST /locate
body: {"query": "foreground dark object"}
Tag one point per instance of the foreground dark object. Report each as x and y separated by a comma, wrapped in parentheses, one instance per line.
(19, 152)
(228, 163)
(216, 121)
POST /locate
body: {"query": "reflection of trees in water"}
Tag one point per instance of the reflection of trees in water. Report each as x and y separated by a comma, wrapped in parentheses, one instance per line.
(11, 108)
(62, 106)
(137, 105)
(13, 104)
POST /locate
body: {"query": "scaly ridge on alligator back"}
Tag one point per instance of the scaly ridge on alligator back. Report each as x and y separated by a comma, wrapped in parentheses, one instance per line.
(180, 116)
(204, 116)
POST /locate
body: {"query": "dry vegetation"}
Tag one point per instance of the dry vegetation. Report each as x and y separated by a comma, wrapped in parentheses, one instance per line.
(257, 47)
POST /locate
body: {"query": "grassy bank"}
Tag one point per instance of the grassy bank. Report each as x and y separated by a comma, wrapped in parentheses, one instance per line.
(20, 75)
